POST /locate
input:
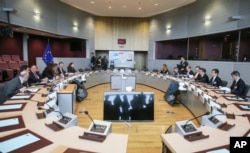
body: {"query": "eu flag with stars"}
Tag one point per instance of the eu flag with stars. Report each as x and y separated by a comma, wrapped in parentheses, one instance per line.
(47, 55)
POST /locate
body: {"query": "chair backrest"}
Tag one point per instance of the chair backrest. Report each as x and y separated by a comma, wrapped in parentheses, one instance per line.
(21, 63)
(6, 58)
(246, 90)
(15, 57)
(4, 65)
(224, 83)
(13, 65)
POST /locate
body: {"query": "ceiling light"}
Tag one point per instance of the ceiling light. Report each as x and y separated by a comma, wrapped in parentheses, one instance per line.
(156, 4)
(37, 15)
(124, 6)
(75, 26)
(92, 2)
(139, 8)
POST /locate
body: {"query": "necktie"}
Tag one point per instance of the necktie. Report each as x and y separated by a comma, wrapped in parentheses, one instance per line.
(36, 76)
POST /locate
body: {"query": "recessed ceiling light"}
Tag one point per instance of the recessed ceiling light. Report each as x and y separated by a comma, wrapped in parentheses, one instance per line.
(139, 8)
(124, 6)
(110, 7)
(92, 2)
(156, 4)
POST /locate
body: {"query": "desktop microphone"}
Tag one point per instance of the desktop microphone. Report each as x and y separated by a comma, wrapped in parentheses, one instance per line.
(185, 125)
(87, 113)
(51, 109)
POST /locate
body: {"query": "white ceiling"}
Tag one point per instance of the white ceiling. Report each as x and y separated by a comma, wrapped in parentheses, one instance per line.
(126, 8)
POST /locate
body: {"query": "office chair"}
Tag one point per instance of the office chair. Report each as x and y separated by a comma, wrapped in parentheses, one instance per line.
(246, 90)
(224, 83)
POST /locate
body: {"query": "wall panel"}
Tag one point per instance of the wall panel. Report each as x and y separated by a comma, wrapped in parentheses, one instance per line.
(134, 30)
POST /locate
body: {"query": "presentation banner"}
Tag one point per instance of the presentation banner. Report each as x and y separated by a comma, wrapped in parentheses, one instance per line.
(121, 59)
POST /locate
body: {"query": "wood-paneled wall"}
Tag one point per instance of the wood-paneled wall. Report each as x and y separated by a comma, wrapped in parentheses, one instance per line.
(134, 30)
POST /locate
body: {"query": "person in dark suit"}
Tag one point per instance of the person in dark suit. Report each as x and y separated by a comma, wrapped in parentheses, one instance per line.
(182, 66)
(215, 80)
(164, 69)
(238, 86)
(189, 71)
(71, 68)
(176, 71)
(203, 76)
(197, 73)
(34, 76)
(92, 61)
(17, 84)
(50, 71)
(60, 70)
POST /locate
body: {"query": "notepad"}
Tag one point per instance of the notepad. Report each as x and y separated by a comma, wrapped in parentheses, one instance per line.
(18, 142)
(21, 97)
(8, 107)
(9, 122)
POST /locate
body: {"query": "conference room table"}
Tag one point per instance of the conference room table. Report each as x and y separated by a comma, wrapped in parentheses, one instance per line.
(64, 140)
(193, 97)
(196, 97)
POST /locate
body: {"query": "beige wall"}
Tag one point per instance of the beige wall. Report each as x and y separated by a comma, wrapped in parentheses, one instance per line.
(134, 30)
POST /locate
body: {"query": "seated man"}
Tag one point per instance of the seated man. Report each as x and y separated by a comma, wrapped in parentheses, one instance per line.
(238, 86)
(176, 72)
(34, 76)
(18, 84)
(203, 76)
(60, 70)
(215, 80)
(189, 71)
(197, 72)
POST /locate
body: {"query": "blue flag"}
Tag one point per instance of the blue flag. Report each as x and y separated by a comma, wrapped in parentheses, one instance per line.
(47, 55)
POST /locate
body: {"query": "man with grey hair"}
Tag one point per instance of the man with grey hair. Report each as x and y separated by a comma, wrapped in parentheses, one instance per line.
(18, 84)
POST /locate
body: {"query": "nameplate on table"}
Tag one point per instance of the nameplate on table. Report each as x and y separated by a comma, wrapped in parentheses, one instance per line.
(234, 98)
(21, 97)
(220, 91)
(243, 107)
(12, 107)
(33, 89)
(11, 123)
(24, 141)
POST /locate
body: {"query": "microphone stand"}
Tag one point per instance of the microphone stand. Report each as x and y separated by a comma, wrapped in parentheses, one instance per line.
(184, 127)
(87, 113)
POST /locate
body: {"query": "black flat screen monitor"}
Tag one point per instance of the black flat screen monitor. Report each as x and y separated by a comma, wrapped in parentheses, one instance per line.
(128, 106)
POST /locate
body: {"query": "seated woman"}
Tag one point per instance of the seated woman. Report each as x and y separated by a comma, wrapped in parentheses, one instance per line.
(71, 68)
(164, 69)
(50, 71)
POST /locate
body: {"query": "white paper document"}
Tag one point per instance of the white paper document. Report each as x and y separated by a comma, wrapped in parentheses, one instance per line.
(17, 142)
(219, 151)
(9, 122)
(32, 89)
(7, 107)
(21, 97)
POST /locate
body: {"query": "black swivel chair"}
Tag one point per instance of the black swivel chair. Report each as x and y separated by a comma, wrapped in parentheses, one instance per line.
(224, 83)
(2, 96)
(247, 87)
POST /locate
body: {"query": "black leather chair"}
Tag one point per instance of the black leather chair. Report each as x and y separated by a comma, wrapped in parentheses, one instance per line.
(247, 87)
(224, 83)
(2, 96)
